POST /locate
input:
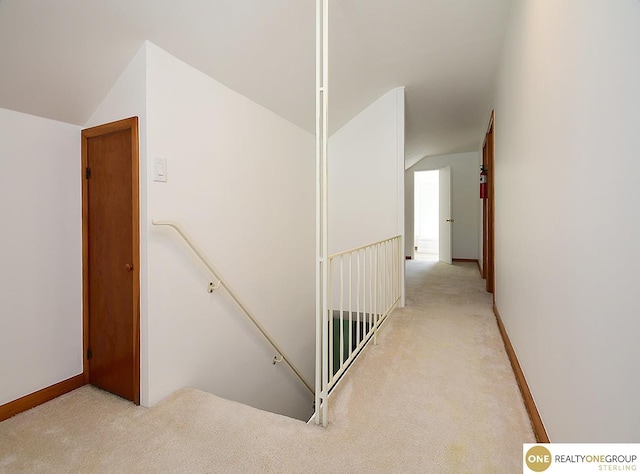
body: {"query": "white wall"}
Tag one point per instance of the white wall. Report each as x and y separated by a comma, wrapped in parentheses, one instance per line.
(127, 98)
(465, 176)
(40, 254)
(366, 163)
(241, 181)
(567, 219)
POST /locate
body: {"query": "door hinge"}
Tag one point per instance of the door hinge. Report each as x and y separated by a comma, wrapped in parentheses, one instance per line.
(89, 354)
(87, 172)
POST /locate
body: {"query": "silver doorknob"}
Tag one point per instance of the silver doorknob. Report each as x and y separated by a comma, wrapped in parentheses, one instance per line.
(449, 220)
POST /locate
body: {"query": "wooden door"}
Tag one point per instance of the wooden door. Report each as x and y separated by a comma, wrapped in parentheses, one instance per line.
(484, 215)
(111, 258)
(488, 210)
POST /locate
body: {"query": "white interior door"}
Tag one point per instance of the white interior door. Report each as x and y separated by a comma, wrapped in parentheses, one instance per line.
(445, 219)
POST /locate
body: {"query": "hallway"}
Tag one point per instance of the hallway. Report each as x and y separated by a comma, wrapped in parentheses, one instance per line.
(436, 395)
(439, 380)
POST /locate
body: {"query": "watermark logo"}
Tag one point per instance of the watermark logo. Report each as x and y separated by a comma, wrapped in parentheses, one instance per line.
(538, 458)
(581, 458)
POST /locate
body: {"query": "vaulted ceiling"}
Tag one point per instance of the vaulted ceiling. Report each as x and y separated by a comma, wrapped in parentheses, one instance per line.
(60, 58)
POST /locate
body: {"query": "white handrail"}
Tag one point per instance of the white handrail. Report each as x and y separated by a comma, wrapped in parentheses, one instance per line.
(222, 283)
(340, 254)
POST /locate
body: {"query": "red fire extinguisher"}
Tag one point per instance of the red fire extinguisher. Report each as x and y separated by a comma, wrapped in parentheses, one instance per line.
(483, 182)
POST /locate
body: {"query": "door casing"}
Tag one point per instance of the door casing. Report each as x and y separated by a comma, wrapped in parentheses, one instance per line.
(488, 210)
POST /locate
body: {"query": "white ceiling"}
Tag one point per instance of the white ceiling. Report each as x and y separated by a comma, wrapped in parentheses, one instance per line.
(59, 58)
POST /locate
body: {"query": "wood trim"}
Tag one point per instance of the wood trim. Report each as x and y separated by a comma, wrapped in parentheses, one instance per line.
(529, 403)
(131, 124)
(85, 260)
(490, 270)
(135, 222)
(485, 255)
(491, 119)
(41, 396)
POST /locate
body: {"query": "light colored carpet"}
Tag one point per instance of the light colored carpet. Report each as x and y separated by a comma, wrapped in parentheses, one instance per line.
(436, 395)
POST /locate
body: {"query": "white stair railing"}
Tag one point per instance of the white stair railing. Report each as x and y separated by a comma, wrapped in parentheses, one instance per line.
(365, 285)
(322, 187)
(281, 356)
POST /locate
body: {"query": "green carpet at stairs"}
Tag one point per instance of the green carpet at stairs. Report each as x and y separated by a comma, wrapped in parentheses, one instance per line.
(357, 334)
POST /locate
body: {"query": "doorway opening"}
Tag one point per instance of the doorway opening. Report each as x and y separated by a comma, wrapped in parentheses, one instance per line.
(427, 215)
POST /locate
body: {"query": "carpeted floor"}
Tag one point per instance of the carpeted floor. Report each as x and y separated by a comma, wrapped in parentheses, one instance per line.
(436, 395)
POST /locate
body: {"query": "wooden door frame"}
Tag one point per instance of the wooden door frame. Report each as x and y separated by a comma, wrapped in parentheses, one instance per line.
(132, 125)
(484, 213)
(488, 214)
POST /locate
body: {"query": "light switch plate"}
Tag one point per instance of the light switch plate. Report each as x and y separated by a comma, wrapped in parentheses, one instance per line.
(160, 169)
